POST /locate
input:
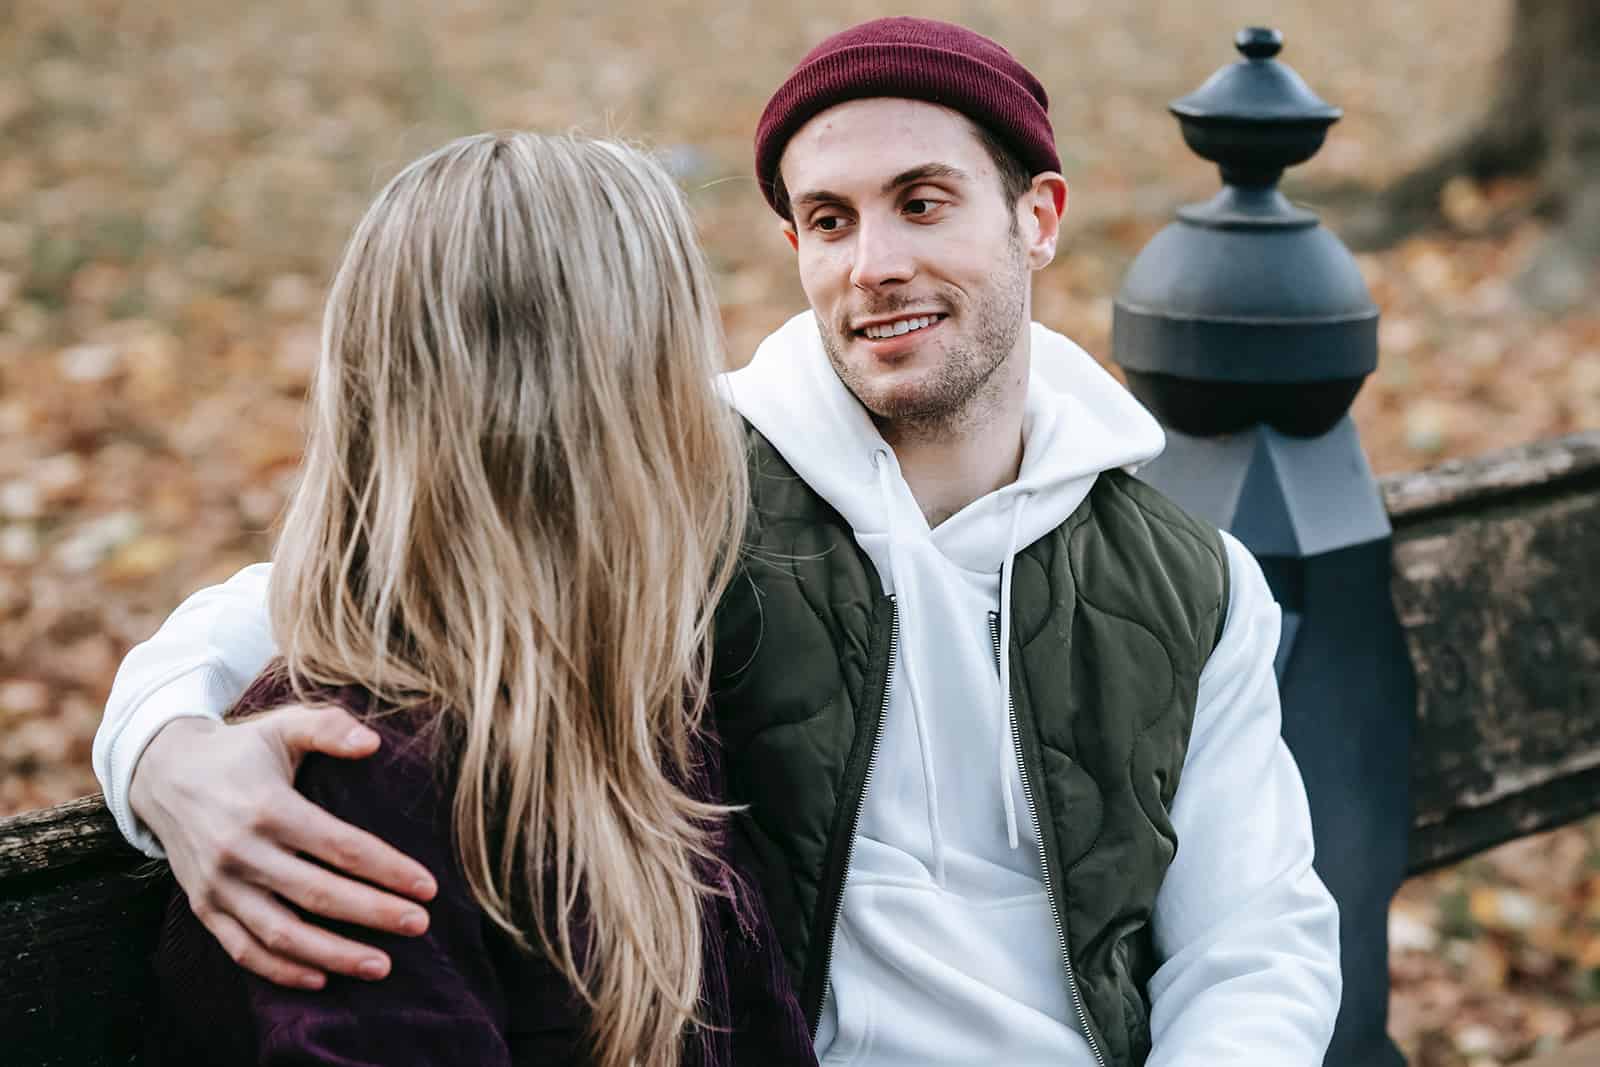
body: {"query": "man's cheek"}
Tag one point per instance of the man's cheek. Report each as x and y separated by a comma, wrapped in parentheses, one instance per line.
(811, 272)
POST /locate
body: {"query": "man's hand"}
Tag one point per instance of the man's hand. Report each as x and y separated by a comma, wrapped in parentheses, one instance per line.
(221, 800)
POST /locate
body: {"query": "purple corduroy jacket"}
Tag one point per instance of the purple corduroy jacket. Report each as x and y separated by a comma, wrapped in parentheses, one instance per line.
(462, 993)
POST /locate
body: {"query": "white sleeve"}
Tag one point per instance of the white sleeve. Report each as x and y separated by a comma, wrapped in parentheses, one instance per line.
(197, 664)
(1248, 933)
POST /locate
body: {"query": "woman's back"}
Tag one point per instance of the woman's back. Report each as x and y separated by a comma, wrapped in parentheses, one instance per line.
(463, 993)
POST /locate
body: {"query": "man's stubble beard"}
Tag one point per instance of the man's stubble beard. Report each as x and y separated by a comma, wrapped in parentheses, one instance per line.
(960, 396)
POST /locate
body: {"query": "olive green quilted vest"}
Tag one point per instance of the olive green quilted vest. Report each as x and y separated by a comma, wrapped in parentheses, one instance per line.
(1113, 616)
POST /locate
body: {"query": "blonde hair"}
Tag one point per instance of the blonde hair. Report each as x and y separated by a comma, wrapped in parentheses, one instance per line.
(520, 501)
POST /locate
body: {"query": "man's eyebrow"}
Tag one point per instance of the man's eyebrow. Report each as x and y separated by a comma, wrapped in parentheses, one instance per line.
(921, 173)
(925, 172)
(817, 196)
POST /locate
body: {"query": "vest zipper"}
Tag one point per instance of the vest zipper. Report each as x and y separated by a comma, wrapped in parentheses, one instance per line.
(1044, 864)
(855, 817)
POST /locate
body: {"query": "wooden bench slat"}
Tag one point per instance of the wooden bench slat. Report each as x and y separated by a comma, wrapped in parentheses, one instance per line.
(76, 941)
(67, 834)
(1497, 586)
(1462, 483)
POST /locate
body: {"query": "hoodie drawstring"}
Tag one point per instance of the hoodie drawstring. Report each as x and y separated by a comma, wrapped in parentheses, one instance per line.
(1007, 743)
(908, 615)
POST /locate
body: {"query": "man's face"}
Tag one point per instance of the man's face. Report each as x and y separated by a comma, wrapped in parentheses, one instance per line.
(914, 262)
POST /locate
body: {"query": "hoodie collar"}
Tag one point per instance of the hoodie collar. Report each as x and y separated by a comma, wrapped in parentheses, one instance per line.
(1078, 421)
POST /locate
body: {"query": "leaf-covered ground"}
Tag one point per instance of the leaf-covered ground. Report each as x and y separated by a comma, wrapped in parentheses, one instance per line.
(177, 177)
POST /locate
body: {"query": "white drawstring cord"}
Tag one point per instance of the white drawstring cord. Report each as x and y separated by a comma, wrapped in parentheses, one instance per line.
(1007, 745)
(902, 589)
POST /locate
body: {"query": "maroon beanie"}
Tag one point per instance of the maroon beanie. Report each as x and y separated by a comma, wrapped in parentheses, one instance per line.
(918, 59)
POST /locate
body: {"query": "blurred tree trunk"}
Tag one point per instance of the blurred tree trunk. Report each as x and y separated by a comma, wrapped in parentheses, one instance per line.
(1543, 121)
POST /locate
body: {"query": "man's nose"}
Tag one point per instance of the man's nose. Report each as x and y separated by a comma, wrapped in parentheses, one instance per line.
(882, 258)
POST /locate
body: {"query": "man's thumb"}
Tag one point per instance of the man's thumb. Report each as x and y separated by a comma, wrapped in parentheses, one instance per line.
(330, 730)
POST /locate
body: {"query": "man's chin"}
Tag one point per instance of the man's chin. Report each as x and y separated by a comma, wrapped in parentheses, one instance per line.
(889, 389)
(896, 401)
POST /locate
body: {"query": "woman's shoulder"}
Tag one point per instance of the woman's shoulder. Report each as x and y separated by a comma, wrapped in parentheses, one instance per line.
(400, 792)
(275, 687)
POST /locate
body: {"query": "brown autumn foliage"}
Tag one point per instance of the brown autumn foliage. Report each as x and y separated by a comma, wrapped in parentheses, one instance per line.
(177, 177)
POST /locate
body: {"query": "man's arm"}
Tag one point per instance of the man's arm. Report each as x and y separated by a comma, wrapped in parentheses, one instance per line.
(196, 665)
(1248, 932)
(219, 801)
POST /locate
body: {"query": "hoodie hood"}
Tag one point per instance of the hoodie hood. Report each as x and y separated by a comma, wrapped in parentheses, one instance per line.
(1078, 421)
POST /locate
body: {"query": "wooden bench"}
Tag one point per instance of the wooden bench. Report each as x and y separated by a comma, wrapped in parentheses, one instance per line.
(1497, 586)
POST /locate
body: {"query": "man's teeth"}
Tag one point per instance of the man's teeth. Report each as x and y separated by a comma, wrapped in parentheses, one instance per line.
(895, 329)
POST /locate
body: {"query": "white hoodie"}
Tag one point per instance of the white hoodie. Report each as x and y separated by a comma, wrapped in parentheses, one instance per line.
(946, 950)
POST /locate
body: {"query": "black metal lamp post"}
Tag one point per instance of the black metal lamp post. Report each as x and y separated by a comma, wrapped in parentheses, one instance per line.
(1246, 327)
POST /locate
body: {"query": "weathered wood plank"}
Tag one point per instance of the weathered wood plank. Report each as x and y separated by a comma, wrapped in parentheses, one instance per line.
(78, 831)
(76, 941)
(1498, 591)
(1462, 483)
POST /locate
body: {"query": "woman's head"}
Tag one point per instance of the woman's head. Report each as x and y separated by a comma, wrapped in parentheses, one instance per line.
(520, 499)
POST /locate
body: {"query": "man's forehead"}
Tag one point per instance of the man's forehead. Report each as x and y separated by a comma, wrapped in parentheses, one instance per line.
(870, 139)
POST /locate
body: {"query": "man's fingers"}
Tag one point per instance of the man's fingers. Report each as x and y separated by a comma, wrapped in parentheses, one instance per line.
(283, 935)
(324, 893)
(307, 828)
(330, 730)
(249, 953)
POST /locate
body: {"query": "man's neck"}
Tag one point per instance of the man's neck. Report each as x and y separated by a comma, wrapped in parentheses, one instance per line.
(949, 469)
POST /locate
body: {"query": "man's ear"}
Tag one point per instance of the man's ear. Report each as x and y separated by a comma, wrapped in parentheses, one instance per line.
(1045, 203)
(792, 237)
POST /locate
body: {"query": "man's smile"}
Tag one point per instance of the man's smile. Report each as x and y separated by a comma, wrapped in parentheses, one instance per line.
(884, 328)
(893, 338)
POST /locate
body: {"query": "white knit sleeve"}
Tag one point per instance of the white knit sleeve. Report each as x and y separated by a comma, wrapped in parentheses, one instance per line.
(196, 664)
(1248, 934)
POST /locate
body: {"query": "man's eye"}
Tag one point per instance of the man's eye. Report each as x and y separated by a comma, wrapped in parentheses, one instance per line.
(919, 206)
(827, 223)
